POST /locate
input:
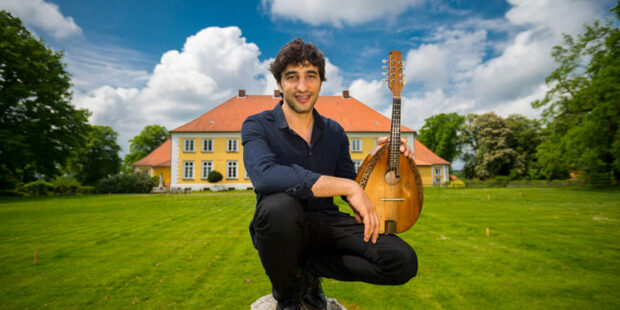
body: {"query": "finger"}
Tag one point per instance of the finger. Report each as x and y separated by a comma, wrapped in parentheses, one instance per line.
(375, 235)
(382, 140)
(403, 140)
(358, 218)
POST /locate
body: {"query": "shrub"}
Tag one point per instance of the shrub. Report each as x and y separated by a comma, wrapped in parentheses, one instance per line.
(126, 183)
(456, 183)
(66, 185)
(37, 188)
(214, 176)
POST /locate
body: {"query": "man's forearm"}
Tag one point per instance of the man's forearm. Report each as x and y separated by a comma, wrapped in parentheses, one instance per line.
(329, 186)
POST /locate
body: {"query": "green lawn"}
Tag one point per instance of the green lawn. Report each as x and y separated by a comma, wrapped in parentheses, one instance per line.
(548, 248)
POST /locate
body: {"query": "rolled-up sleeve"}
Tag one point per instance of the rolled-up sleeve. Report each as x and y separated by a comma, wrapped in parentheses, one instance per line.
(266, 174)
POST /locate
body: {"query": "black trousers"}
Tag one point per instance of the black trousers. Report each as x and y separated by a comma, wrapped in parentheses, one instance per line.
(290, 239)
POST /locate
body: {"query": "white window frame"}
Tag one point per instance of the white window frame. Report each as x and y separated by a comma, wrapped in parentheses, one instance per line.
(188, 170)
(356, 145)
(205, 143)
(437, 171)
(232, 166)
(209, 169)
(357, 164)
(232, 145)
(189, 146)
(438, 180)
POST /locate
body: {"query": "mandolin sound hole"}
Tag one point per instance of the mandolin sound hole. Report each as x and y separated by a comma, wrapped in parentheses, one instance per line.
(390, 177)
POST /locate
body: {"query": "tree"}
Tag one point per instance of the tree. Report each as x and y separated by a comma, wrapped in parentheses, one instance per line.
(38, 125)
(467, 144)
(439, 134)
(582, 108)
(98, 158)
(494, 155)
(141, 145)
(526, 137)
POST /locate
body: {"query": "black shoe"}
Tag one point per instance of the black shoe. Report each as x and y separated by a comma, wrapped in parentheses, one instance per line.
(291, 304)
(312, 293)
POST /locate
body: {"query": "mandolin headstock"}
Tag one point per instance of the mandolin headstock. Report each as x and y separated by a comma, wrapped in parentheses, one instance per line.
(395, 75)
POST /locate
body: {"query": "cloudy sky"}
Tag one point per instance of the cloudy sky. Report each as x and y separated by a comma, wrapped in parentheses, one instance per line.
(142, 62)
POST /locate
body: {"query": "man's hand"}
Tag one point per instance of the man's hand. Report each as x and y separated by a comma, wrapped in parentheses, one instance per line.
(365, 212)
(404, 147)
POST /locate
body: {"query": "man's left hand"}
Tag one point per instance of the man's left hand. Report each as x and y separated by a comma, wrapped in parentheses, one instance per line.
(404, 147)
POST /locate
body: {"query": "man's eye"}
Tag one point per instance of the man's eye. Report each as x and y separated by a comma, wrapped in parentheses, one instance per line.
(291, 78)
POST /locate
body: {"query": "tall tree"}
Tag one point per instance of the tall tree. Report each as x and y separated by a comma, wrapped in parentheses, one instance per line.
(439, 134)
(38, 125)
(526, 137)
(468, 144)
(98, 158)
(494, 155)
(582, 108)
(141, 145)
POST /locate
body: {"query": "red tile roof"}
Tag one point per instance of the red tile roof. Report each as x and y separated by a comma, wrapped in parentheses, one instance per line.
(426, 157)
(159, 157)
(350, 113)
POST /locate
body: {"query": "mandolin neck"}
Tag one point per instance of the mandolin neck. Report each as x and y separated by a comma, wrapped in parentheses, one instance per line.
(394, 163)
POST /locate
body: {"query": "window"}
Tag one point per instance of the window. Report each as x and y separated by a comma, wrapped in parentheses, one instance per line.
(356, 145)
(145, 171)
(188, 145)
(232, 145)
(207, 167)
(231, 169)
(188, 169)
(437, 171)
(207, 145)
(438, 181)
(357, 164)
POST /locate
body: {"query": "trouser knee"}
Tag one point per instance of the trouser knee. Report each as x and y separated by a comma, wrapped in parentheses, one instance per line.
(400, 263)
(279, 215)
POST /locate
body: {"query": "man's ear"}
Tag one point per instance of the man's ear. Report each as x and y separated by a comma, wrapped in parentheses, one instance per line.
(279, 86)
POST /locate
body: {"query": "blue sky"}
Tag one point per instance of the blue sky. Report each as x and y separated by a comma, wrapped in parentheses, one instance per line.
(142, 62)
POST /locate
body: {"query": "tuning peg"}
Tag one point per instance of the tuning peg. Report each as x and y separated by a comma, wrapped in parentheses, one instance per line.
(384, 61)
(385, 80)
(402, 63)
(384, 67)
(404, 81)
(383, 73)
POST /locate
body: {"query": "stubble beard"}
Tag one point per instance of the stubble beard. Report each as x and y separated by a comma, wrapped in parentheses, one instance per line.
(298, 108)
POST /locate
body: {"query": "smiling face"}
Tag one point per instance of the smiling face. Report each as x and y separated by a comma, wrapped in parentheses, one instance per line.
(300, 86)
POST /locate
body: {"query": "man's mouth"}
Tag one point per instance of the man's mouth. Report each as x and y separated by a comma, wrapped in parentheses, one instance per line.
(302, 99)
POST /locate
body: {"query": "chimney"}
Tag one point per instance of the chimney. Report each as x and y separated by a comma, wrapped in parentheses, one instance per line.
(241, 93)
(276, 93)
(345, 94)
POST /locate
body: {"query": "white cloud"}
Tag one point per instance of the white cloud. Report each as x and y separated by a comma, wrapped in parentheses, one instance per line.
(42, 15)
(211, 67)
(460, 74)
(372, 93)
(336, 13)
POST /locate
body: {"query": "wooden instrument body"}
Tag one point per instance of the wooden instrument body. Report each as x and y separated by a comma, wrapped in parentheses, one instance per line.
(397, 200)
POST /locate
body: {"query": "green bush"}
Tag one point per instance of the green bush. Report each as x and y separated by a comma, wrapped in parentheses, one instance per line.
(37, 188)
(214, 176)
(126, 183)
(66, 185)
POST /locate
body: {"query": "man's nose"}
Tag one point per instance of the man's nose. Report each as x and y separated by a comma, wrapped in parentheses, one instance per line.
(303, 84)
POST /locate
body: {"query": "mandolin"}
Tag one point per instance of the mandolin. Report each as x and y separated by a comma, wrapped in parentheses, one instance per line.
(390, 179)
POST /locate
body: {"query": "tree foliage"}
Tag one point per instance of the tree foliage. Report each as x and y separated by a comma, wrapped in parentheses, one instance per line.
(141, 145)
(526, 136)
(38, 125)
(98, 158)
(439, 134)
(582, 108)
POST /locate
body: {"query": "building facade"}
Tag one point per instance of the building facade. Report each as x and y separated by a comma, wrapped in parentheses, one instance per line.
(213, 142)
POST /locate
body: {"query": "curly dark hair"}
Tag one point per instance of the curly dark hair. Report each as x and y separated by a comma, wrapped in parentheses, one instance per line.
(297, 52)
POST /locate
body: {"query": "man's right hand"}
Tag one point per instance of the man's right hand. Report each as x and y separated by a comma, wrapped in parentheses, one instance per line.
(365, 212)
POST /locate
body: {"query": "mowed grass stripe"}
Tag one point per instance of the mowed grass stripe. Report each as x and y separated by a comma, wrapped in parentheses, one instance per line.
(547, 248)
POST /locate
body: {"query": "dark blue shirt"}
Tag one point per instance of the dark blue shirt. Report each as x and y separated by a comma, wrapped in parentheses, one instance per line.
(278, 160)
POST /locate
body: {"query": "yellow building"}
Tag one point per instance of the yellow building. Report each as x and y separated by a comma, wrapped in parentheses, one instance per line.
(213, 141)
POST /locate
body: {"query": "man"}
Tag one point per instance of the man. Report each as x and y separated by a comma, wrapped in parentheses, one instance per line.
(297, 161)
